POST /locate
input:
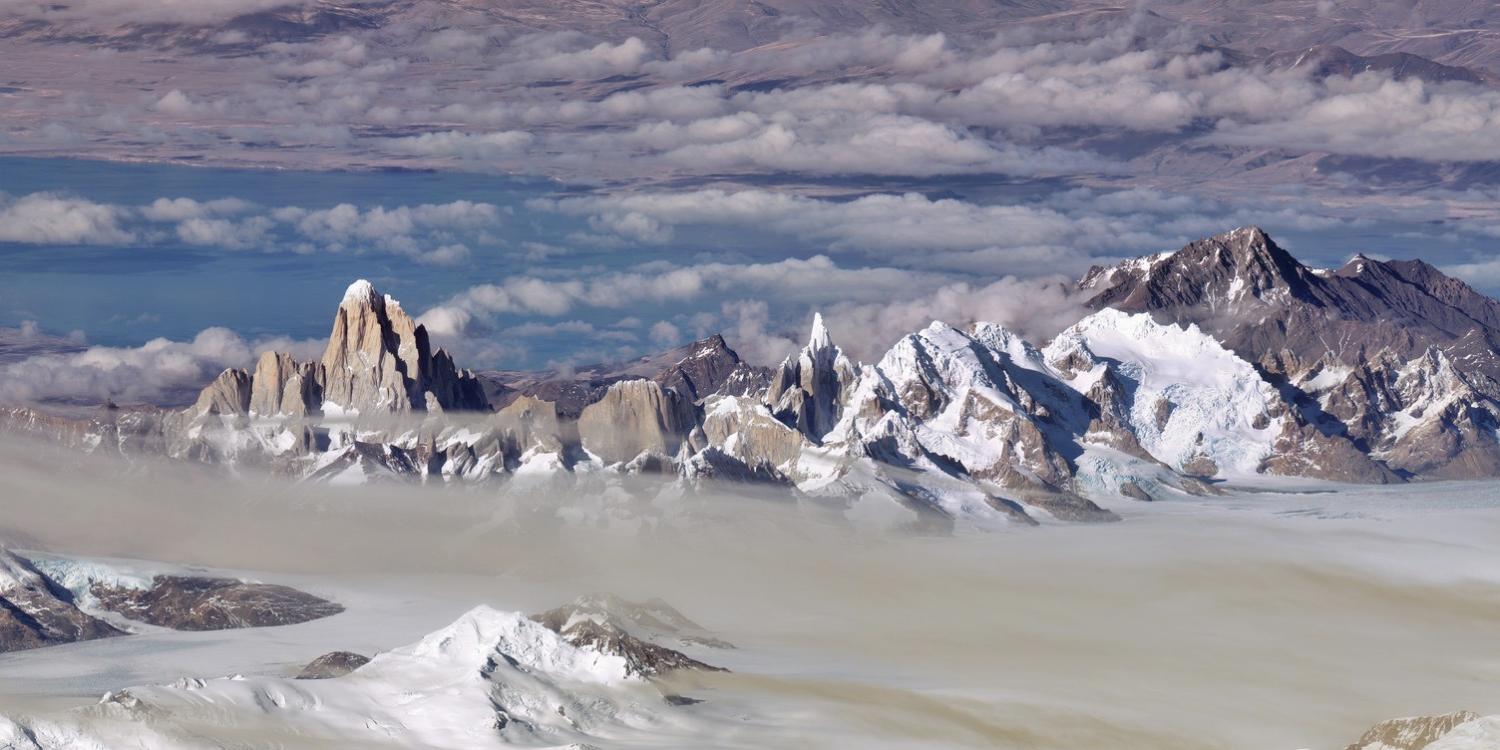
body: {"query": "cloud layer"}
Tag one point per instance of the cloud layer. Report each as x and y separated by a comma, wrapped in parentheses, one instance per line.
(426, 233)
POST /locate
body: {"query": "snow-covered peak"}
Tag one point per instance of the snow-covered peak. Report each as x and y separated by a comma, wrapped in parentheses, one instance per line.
(1002, 339)
(485, 635)
(362, 293)
(1192, 404)
(1170, 349)
(818, 340)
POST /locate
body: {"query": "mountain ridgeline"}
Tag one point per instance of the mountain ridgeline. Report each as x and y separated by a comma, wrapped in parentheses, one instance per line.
(1225, 360)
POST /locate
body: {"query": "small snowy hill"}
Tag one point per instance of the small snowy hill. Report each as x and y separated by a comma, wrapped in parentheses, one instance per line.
(489, 679)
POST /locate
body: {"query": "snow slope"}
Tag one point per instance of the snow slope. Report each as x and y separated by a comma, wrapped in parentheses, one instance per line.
(1188, 396)
(489, 679)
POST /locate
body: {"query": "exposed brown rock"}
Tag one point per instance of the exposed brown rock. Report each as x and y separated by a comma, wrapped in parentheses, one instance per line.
(332, 665)
(283, 387)
(1412, 733)
(704, 368)
(36, 613)
(613, 625)
(228, 394)
(379, 360)
(635, 417)
(532, 424)
(195, 603)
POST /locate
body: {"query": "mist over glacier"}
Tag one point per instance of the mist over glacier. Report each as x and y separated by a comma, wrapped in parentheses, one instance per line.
(1271, 618)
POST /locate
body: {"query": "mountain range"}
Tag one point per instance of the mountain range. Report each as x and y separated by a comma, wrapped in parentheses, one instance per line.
(1225, 361)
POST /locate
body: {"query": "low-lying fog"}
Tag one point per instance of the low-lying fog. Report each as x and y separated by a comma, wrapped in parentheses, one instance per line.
(1255, 621)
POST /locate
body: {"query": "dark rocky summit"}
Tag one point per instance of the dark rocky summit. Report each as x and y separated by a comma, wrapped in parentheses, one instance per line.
(331, 665)
(612, 625)
(1271, 309)
(1394, 356)
(696, 371)
(193, 603)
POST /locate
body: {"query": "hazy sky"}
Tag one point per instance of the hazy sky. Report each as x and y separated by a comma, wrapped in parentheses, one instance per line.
(548, 198)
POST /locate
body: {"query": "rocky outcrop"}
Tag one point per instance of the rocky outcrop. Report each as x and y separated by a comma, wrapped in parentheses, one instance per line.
(228, 395)
(1414, 733)
(709, 368)
(611, 625)
(35, 612)
(744, 430)
(332, 665)
(379, 360)
(532, 425)
(283, 387)
(636, 417)
(197, 603)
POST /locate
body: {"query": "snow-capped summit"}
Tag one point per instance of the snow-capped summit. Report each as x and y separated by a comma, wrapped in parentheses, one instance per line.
(485, 635)
(1230, 272)
(806, 391)
(362, 292)
(818, 340)
(379, 360)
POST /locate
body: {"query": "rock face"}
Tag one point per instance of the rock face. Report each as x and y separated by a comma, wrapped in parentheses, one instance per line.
(229, 394)
(34, 612)
(709, 367)
(283, 387)
(332, 665)
(194, 603)
(1415, 733)
(379, 360)
(806, 391)
(636, 417)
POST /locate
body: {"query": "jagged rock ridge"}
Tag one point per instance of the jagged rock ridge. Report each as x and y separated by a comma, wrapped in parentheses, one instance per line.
(1394, 356)
(1224, 360)
(378, 361)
